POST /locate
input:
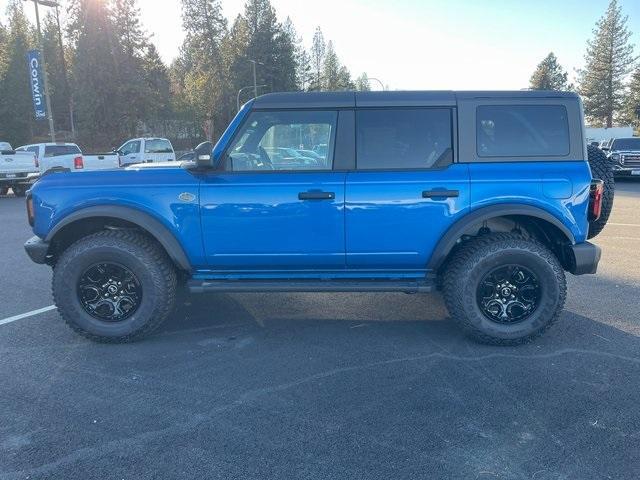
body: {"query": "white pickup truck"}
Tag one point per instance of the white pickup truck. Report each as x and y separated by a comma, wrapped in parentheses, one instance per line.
(69, 155)
(146, 150)
(16, 170)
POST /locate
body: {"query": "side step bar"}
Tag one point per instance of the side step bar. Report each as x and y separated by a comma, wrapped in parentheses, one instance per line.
(204, 286)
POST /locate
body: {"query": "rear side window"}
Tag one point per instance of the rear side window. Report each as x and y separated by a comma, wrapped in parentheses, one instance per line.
(158, 146)
(403, 138)
(57, 150)
(522, 131)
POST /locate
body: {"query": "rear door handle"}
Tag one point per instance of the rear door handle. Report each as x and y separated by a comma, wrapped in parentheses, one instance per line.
(316, 196)
(440, 193)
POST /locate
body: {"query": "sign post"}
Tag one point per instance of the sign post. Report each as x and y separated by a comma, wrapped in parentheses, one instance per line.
(42, 74)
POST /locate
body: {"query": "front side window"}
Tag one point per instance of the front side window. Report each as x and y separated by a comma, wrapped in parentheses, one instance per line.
(410, 138)
(58, 150)
(285, 140)
(522, 131)
(130, 148)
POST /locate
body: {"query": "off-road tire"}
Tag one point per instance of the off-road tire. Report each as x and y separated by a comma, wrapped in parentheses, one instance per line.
(19, 190)
(142, 256)
(601, 169)
(479, 256)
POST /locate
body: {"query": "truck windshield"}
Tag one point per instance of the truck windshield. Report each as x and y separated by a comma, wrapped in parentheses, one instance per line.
(626, 144)
(57, 150)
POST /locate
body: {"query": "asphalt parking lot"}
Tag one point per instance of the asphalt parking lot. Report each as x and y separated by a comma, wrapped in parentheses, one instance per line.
(361, 386)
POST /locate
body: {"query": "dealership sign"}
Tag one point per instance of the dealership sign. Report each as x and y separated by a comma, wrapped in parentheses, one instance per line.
(37, 86)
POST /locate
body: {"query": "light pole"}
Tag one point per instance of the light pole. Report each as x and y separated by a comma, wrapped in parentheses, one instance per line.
(47, 97)
(255, 81)
(255, 90)
(375, 79)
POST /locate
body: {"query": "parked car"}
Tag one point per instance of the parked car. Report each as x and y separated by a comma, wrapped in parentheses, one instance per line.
(625, 155)
(486, 195)
(146, 150)
(16, 169)
(69, 156)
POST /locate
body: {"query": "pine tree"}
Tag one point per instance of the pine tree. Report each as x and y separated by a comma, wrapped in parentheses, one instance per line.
(318, 52)
(97, 93)
(301, 60)
(334, 75)
(157, 86)
(631, 109)
(362, 83)
(609, 59)
(4, 35)
(549, 75)
(131, 46)
(58, 84)
(16, 108)
(200, 66)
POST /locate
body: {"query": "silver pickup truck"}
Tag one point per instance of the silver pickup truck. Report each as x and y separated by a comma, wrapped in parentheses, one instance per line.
(16, 170)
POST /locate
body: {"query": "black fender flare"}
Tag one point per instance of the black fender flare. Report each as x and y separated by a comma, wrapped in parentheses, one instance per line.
(449, 239)
(143, 220)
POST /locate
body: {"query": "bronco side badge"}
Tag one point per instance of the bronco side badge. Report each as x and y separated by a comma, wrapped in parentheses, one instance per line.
(187, 197)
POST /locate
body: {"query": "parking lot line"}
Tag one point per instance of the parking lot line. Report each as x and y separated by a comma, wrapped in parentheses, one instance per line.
(28, 314)
(624, 224)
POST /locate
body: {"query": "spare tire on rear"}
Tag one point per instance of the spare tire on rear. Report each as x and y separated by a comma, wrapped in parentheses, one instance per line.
(601, 169)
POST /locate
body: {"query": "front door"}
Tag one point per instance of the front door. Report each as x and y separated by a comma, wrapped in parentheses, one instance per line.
(406, 190)
(273, 209)
(130, 152)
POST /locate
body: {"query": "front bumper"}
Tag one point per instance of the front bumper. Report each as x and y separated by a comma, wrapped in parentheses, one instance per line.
(37, 249)
(583, 258)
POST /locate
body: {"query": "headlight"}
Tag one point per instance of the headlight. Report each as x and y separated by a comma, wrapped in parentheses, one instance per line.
(615, 157)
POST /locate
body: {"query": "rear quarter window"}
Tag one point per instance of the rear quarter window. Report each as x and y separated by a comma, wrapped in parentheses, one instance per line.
(522, 131)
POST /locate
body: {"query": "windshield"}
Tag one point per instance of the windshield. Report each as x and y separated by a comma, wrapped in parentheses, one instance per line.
(57, 150)
(626, 144)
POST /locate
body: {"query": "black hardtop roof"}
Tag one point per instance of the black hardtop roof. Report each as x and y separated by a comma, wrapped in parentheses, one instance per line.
(392, 98)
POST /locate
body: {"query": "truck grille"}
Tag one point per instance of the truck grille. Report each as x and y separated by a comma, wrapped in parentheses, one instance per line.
(632, 160)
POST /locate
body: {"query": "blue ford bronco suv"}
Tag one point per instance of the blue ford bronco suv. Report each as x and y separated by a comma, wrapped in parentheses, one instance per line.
(487, 196)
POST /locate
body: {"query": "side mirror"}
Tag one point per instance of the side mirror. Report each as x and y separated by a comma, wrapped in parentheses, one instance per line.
(203, 154)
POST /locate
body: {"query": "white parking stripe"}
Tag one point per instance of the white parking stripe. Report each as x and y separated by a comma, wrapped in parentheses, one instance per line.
(624, 224)
(28, 314)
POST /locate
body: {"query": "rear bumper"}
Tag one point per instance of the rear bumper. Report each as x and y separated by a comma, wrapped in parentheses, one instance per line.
(37, 249)
(584, 258)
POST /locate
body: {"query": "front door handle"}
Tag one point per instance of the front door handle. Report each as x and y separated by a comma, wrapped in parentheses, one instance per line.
(316, 195)
(440, 193)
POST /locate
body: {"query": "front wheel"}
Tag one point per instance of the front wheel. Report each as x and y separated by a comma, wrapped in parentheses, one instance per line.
(504, 289)
(114, 286)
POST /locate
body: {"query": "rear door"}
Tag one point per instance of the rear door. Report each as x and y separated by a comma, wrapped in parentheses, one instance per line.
(406, 190)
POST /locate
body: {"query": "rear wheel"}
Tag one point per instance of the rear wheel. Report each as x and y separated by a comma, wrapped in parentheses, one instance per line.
(601, 169)
(4, 190)
(504, 289)
(114, 286)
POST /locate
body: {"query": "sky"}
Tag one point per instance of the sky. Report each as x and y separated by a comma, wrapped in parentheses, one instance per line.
(426, 44)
